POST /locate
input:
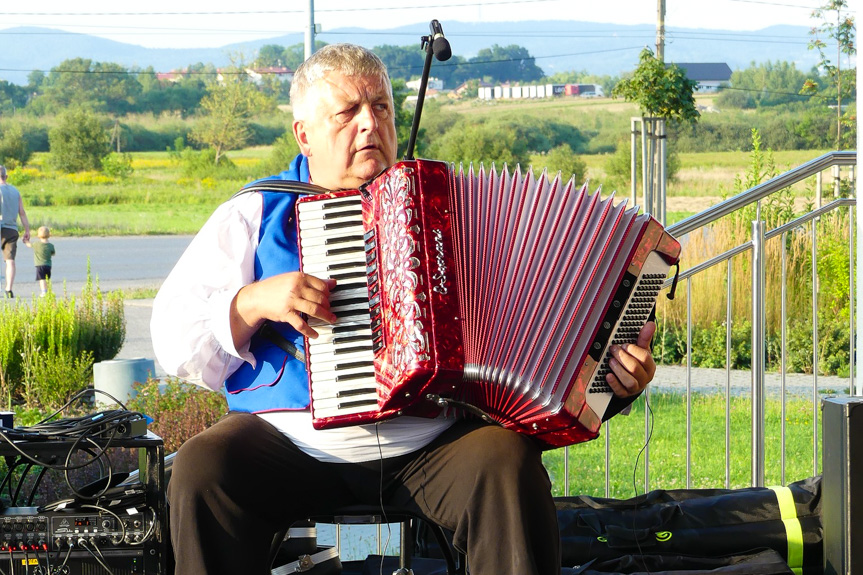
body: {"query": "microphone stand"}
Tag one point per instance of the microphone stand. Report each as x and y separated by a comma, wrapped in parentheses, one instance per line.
(427, 46)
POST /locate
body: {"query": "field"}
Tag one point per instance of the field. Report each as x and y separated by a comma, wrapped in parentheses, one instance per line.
(159, 199)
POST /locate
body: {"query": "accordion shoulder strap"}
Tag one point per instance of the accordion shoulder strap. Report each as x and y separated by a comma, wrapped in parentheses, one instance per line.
(287, 186)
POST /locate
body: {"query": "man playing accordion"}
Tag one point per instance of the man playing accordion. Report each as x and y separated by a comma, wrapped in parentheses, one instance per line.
(263, 466)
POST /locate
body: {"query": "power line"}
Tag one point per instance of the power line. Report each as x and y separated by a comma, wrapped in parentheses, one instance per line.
(262, 12)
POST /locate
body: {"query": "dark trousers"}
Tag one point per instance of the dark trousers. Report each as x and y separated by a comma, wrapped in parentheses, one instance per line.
(238, 483)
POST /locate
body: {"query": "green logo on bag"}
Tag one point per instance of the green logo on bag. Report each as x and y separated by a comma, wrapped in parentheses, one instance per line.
(663, 535)
(602, 539)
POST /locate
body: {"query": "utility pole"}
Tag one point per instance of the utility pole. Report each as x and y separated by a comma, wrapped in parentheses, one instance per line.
(660, 30)
(310, 31)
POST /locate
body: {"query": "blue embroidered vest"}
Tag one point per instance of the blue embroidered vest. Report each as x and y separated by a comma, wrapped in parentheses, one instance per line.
(279, 381)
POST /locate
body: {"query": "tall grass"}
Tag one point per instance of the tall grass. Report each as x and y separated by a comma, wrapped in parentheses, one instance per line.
(48, 345)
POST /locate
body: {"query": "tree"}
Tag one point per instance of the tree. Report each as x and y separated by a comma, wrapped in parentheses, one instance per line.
(14, 150)
(660, 91)
(663, 93)
(762, 85)
(503, 64)
(228, 108)
(78, 141)
(562, 159)
(102, 87)
(842, 81)
(402, 61)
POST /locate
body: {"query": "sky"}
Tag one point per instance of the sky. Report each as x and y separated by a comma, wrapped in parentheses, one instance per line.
(208, 24)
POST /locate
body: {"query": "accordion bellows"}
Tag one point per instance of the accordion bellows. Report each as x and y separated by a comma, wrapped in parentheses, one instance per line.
(484, 292)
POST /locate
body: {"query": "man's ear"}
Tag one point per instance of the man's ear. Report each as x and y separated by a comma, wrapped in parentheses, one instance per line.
(302, 138)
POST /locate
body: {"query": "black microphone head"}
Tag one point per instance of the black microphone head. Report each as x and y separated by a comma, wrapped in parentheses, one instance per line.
(441, 49)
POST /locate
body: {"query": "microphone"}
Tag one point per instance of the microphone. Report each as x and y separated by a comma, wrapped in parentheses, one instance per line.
(440, 45)
(436, 45)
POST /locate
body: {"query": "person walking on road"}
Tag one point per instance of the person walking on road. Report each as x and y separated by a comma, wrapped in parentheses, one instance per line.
(11, 208)
(42, 252)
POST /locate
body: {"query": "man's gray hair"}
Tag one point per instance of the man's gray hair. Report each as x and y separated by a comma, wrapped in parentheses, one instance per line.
(3, 172)
(348, 59)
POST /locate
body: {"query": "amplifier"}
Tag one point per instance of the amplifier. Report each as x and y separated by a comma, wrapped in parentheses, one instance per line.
(842, 484)
(77, 542)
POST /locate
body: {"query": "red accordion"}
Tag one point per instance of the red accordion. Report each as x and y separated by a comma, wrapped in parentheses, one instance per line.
(493, 293)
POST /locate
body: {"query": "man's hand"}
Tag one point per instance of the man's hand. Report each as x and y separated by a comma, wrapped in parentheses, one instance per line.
(632, 365)
(282, 298)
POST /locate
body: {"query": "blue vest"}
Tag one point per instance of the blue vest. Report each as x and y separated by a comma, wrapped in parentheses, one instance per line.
(279, 381)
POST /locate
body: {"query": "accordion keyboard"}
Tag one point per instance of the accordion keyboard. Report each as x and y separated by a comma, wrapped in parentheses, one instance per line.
(341, 358)
(635, 314)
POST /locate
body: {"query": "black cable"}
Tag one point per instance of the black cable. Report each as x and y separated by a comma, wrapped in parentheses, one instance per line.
(83, 543)
(36, 484)
(14, 499)
(635, 480)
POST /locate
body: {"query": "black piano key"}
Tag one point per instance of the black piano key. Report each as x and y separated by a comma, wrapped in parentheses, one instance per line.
(341, 340)
(349, 404)
(334, 205)
(342, 240)
(350, 328)
(354, 349)
(341, 266)
(340, 287)
(339, 225)
(342, 251)
(358, 391)
(344, 214)
(348, 275)
(354, 364)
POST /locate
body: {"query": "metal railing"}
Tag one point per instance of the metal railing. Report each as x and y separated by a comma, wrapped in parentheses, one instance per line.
(371, 538)
(755, 247)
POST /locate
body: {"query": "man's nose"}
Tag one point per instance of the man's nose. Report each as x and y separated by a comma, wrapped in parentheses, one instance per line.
(367, 118)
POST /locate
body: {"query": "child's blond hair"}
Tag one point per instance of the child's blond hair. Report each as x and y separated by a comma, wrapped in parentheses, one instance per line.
(43, 232)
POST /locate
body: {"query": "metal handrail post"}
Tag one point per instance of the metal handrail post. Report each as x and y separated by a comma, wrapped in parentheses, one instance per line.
(758, 352)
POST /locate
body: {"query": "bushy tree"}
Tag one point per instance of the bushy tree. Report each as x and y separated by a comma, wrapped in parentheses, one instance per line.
(78, 142)
(227, 110)
(404, 62)
(562, 159)
(762, 85)
(505, 63)
(14, 150)
(470, 142)
(842, 82)
(660, 91)
(102, 87)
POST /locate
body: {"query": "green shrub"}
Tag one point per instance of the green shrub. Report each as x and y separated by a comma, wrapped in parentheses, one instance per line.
(78, 142)
(48, 346)
(14, 150)
(179, 410)
(117, 165)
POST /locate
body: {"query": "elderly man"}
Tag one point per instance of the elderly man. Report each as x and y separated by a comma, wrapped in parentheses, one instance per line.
(11, 208)
(263, 466)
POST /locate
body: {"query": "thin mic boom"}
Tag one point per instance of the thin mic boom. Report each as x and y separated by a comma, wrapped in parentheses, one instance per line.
(438, 46)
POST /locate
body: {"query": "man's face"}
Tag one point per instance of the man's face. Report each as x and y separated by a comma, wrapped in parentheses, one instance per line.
(349, 134)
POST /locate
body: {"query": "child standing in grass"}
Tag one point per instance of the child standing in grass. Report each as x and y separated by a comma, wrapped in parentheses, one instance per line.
(43, 250)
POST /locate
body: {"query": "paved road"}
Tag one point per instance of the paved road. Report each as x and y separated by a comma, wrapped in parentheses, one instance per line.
(145, 261)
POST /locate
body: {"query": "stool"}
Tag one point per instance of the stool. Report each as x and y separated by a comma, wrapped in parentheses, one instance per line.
(409, 522)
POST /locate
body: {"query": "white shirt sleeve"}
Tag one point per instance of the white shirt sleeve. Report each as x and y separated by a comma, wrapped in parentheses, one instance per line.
(190, 325)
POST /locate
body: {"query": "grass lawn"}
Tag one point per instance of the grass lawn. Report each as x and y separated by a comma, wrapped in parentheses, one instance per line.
(667, 447)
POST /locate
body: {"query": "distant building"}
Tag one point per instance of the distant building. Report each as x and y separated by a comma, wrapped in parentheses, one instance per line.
(173, 76)
(433, 84)
(281, 73)
(709, 76)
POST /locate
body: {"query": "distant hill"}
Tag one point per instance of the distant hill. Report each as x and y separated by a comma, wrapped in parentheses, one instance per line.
(603, 49)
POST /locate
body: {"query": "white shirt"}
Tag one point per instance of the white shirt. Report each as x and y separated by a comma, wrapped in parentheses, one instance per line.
(192, 340)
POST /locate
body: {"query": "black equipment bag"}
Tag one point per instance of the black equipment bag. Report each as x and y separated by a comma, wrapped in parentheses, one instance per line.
(704, 522)
(756, 562)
